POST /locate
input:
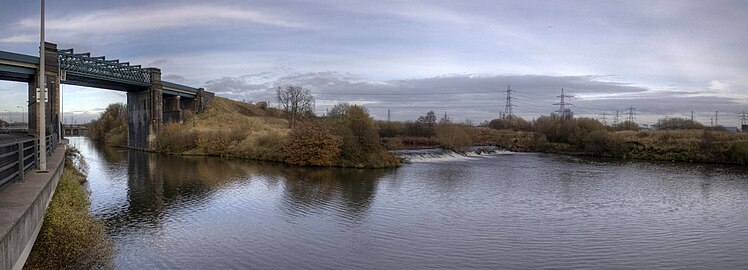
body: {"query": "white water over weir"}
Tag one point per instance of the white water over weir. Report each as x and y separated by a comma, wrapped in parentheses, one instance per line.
(446, 155)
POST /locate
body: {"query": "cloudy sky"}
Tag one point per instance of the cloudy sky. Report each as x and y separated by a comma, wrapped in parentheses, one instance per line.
(664, 58)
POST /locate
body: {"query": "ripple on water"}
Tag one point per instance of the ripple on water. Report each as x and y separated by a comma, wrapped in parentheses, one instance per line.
(504, 211)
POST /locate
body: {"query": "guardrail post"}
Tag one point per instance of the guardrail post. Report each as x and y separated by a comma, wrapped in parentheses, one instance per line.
(21, 171)
(36, 153)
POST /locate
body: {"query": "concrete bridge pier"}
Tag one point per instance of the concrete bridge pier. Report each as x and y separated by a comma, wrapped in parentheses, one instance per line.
(145, 113)
(173, 111)
(51, 75)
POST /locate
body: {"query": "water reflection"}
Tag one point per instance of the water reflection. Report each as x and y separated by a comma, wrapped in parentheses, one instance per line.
(506, 211)
(307, 188)
(158, 183)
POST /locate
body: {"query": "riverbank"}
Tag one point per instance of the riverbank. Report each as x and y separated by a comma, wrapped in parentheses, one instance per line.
(693, 146)
(235, 129)
(71, 238)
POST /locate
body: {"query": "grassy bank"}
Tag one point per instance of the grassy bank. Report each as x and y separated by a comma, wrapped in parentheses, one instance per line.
(703, 145)
(242, 130)
(71, 238)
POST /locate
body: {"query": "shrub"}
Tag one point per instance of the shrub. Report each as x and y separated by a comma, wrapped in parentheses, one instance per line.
(217, 141)
(389, 129)
(452, 136)
(510, 122)
(678, 123)
(111, 127)
(596, 142)
(175, 138)
(738, 152)
(260, 146)
(312, 144)
(361, 146)
(626, 125)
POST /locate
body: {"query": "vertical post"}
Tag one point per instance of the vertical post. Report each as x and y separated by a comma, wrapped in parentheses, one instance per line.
(20, 161)
(42, 105)
(36, 153)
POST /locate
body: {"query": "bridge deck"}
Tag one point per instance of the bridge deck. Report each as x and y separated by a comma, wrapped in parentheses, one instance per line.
(22, 68)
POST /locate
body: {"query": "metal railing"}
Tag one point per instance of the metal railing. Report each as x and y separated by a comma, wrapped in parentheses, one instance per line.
(18, 157)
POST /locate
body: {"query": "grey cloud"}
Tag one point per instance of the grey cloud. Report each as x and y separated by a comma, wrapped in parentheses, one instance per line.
(479, 97)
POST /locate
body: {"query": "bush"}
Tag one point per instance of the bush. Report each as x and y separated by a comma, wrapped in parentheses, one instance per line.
(678, 123)
(216, 142)
(453, 136)
(389, 129)
(738, 152)
(361, 146)
(511, 122)
(596, 142)
(262, 147)
(111, 127)
(175, 138)
(567, 130)
(626, 125)
(312, 144)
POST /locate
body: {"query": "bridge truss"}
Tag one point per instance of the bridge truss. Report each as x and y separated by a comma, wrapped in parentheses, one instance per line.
(82, 64)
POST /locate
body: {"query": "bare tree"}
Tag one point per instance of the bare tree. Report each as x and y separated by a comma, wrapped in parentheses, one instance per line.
(296, 102)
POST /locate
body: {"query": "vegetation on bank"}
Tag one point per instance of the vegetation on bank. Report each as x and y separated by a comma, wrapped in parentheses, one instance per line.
(71, 238)
(236, 129)
(676, 139)
(348, 137)
(111, 127)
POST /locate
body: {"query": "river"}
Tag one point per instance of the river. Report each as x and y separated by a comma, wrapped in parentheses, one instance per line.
(507, 211)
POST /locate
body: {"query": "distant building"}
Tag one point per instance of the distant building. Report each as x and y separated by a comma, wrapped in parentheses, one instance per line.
(731, 129)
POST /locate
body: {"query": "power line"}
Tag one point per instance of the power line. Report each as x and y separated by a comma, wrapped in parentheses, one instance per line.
(743, 119)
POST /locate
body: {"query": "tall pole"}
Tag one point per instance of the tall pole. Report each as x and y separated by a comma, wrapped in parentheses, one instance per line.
(508, 107)
(42, 100)
(716, 118)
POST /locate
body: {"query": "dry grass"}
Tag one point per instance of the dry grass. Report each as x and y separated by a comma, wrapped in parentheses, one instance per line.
(228, 128)
(71, 238)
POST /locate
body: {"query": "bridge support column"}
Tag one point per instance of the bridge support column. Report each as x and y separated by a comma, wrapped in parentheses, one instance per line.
(52, 110)
(145, 113)
(173, 109)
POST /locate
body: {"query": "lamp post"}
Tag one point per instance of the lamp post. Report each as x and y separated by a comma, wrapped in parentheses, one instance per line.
(42, 99)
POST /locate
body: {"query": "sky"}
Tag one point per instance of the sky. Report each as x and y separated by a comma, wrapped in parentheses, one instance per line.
(663, 58)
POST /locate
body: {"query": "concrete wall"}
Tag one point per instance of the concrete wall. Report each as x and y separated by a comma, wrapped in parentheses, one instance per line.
(137, 120)
(22, 208)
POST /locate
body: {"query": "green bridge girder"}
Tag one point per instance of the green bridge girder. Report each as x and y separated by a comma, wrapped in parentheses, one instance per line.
(92, 69)
(99, 68)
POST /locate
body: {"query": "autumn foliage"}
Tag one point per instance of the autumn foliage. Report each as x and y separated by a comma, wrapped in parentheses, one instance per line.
(312, 144)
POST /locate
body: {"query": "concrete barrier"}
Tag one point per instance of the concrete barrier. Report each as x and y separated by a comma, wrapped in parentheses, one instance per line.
(22, 208)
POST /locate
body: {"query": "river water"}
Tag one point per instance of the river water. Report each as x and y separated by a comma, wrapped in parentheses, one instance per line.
(506, 211)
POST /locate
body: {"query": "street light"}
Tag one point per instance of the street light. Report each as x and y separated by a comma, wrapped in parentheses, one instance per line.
(41, 110)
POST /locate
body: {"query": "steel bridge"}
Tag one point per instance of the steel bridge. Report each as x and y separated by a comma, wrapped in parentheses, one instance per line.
(150, 101)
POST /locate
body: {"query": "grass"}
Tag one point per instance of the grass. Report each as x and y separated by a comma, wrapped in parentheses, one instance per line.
(71, 238)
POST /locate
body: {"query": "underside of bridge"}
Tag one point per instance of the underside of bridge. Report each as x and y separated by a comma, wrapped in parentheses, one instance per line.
(150, 101)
